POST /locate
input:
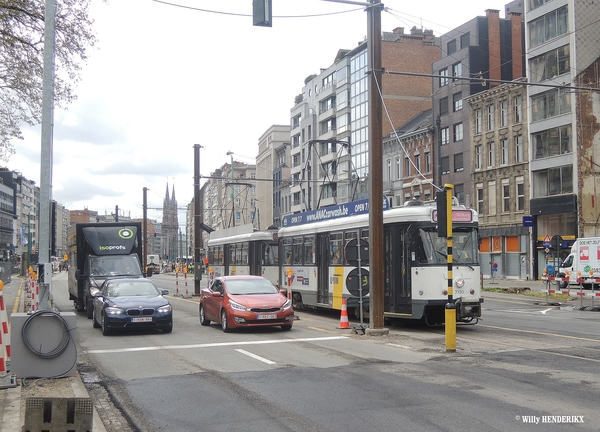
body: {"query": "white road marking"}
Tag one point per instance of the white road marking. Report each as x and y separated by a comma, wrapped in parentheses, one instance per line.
(544, 311)
(254, 356)
(211, 345)
(399, 346)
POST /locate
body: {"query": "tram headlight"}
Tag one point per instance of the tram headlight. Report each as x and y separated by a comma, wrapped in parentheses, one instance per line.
(459, 282)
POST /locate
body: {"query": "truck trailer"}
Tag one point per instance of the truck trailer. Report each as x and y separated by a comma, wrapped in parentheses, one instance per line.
(99, 251)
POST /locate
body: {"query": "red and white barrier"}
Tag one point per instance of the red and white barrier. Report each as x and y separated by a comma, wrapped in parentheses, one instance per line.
(4, 336)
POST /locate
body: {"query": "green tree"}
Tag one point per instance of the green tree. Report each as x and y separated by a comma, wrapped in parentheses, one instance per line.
(22, 63)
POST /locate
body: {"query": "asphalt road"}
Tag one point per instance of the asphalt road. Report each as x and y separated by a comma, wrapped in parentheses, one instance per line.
(522, 363)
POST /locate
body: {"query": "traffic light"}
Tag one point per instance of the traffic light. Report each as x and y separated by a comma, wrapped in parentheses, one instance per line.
(442, 213)
(154, 233)
(262, 13)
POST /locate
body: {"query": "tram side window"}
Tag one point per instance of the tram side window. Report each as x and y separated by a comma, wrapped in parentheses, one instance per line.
(297, 250)
(270, 256)
(287, 251)
(309, 250)
(244, 254)
(231, 254)
(336, 248)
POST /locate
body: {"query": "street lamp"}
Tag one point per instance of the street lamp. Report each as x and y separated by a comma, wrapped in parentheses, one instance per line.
(230, 153)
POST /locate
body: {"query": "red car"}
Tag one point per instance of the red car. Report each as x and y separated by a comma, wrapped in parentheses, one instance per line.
(245, 301)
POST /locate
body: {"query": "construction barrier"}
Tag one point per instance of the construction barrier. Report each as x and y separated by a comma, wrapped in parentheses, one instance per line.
(4, 335)
(344, 324)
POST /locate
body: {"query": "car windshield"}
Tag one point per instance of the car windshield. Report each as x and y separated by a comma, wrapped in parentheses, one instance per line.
(126, 289)
(250, 286)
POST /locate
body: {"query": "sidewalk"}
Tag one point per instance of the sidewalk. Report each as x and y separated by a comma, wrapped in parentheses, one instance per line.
(13, 400)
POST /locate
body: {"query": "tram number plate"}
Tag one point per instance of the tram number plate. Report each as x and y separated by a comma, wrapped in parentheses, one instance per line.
(141, 319)
(265, 317)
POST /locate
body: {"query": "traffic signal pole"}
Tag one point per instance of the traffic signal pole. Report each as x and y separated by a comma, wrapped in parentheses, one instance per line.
(450, 306)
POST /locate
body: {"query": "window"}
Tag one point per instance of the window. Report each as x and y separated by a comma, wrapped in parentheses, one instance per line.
(296, 121)
(491, 198)
(504, 145)
(464, 40)
(417, 163)
(478, 157)
(457, 70)
(446, 165)
(490, 118)
(533, 4)
(443, 77)
(517, 106)
(444, 106)
(550, 64)
(480, 198)
(445, 135)
(457, 101)
(553, 181)
(398, 169)
(519, 149)
(491, 154)
(549, 104)
(552, 142)
(548, 27)
(520, 194)
(505, 195)
(406, 167)
(503, 113)
(478, 121)
(427, 162)
(458, 132)
(389, 170)
(458, 162)
(451, 47)
(459, 193)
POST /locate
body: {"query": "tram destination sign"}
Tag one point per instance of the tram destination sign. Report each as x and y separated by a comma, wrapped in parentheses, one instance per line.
(331, 212)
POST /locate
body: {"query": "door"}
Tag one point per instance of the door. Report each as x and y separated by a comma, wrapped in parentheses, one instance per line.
(322, 263)
(397, 297)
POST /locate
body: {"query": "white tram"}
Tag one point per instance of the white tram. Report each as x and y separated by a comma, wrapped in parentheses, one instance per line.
(243, 251)
(313, 263)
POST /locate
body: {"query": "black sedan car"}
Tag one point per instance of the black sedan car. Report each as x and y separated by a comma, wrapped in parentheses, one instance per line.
(127, 303)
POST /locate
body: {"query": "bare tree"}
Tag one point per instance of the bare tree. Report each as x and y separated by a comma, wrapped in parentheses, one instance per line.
(21, 61)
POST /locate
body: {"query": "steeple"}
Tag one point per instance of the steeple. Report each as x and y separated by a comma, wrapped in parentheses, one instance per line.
(173, 195)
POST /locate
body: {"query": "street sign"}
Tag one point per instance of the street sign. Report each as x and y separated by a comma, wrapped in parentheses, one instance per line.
(355, 250)
(355, 282)
(527, 221)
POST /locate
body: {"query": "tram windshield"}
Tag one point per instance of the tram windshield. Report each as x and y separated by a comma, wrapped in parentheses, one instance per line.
(433, 249)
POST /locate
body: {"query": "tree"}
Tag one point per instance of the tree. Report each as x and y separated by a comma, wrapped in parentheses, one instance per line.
(21, 61)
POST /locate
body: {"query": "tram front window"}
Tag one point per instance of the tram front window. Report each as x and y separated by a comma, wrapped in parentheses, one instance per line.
(433, 249)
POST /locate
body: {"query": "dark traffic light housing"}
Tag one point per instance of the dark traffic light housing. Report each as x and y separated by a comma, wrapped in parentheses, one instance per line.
(442, 213)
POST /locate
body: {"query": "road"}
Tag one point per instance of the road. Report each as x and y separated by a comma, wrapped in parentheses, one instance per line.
(522, 363)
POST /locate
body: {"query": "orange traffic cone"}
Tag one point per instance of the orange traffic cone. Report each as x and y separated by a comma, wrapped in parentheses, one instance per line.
(344, 324)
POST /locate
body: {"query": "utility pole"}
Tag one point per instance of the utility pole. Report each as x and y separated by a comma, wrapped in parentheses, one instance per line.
(376, 255)
(197, 221)
(145, 227)
(230, 153)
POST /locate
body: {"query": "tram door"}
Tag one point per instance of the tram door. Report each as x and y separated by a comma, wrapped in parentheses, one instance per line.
(397, 271)
(255, 254)
(322, 268)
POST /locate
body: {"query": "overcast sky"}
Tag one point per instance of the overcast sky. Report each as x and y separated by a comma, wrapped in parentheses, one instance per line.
(168, 75)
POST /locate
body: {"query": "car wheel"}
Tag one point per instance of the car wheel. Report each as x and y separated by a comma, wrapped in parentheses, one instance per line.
(89, 307)
(167, 329)
(203, 320)
(105, 330)
(95, 321)
(286, 327)
(224, 324)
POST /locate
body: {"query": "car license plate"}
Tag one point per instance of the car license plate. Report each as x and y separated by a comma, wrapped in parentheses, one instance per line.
(142, 319)
(265, 317)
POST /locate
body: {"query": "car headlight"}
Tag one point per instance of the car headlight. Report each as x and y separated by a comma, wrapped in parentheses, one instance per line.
(165, 309)
(113, 311)
(287, 304)
(459, 282)
(237, 306)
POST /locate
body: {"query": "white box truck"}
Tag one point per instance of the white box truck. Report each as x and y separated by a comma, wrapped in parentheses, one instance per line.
(584, 257)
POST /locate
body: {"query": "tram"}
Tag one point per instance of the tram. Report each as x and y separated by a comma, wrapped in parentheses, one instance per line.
(313, 261)
(243, 251)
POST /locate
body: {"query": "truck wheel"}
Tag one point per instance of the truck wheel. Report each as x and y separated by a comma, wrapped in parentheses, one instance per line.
(89, 308)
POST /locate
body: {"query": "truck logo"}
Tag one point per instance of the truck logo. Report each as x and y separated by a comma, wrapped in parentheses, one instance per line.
(105, 248)
(126, 233)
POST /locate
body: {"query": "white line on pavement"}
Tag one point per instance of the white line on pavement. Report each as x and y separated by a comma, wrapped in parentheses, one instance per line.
(211, 345)
(254, 356)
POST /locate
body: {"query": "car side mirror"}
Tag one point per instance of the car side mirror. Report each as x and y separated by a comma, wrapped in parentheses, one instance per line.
(164, 292)
(216, 294)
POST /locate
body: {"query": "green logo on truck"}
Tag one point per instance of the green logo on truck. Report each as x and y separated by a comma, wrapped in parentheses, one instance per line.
(126, 233)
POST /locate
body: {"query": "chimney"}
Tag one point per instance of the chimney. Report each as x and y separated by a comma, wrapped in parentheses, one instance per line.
(493, 17)
(516, 25)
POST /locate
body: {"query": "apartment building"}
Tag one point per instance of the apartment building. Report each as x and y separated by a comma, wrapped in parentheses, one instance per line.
(329, 121)
(562, 49)
(486, 47)
(499, 170)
